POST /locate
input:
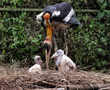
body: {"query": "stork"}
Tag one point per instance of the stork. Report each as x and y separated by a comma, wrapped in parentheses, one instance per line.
(37, 67)
(63, 62)
(56, 17)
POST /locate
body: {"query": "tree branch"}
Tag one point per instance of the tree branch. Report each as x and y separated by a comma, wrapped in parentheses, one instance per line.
(39, 10)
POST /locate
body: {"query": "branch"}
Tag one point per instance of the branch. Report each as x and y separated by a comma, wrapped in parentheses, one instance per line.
(20, 9)
(39, 10)
(74, 87)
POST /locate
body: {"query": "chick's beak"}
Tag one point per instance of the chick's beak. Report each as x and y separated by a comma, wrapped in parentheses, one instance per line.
(54, 56)
(41, 61)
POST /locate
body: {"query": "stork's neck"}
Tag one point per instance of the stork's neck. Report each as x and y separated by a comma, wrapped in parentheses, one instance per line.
(47, 17)
(49, 30)
(58, 60)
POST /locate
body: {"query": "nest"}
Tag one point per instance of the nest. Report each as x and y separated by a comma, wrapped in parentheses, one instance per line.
(79, 80)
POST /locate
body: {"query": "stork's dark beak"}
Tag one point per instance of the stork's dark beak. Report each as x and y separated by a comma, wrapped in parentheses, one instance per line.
(47, 46)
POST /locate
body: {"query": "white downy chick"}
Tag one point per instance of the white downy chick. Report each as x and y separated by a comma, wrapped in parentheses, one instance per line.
(36, 68)
(63, 62)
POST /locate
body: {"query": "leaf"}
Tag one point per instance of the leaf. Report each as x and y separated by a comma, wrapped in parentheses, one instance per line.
(100, 15)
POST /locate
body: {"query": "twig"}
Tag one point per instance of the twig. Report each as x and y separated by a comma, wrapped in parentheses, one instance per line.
(77, 87)
(20, 9)
(39, 10)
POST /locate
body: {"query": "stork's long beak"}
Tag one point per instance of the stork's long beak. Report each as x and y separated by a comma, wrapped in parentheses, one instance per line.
(48, 26)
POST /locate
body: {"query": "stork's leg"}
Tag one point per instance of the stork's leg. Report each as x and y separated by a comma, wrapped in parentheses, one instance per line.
(66, 44)
(54, 39)
(66, 48)
(55, 44)
(47, 55)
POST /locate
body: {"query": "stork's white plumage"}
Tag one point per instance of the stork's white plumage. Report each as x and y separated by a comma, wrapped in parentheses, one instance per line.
(37, 67)
(63, 62)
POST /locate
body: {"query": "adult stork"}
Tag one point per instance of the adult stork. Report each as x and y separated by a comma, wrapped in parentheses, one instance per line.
(56, 17)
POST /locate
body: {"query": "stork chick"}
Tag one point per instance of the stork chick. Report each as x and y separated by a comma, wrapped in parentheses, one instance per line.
(63, 62)
(37, 67)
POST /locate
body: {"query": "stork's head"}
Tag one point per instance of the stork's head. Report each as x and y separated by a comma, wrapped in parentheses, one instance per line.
(43, 16)
(58, 53)
(37, 59)
(46, 16)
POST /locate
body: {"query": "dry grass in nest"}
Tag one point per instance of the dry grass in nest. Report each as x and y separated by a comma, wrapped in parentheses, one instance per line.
(19, 79)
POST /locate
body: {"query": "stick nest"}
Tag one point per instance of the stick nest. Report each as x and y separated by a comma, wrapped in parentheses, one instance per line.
(81, 80)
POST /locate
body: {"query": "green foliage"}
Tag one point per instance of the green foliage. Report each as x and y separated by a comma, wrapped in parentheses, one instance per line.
(91, 42)
(21, 37)
(11, 3)
(15, 42)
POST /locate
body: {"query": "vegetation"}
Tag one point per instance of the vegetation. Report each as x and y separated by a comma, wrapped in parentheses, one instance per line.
(21, 36)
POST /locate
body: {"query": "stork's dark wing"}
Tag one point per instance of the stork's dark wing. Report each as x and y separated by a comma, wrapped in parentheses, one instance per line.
(64, 9)
(50, 9)
(60, 12)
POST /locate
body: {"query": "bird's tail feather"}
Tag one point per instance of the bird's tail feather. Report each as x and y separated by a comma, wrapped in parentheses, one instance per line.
(74, 22)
